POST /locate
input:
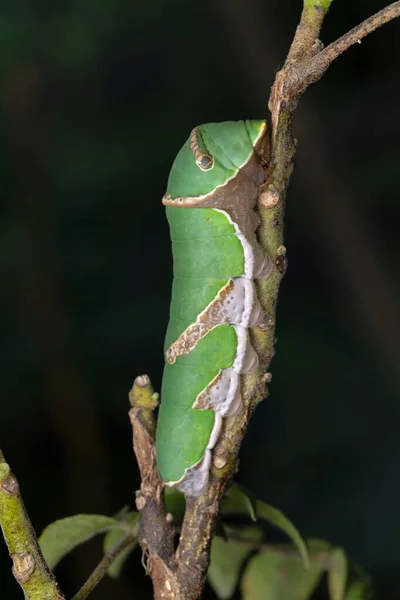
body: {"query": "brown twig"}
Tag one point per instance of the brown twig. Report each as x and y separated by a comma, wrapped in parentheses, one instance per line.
(307, 61)
(331, 52)
(156, 532)
(181, 575)
(354, 261)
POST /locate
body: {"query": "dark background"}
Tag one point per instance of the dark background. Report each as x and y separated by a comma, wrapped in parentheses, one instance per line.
(97, 96)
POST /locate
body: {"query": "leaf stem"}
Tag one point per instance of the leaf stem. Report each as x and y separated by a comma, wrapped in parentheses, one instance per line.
(101, 569)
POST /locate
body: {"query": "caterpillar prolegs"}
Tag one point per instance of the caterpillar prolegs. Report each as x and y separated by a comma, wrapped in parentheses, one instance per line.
(212, 191)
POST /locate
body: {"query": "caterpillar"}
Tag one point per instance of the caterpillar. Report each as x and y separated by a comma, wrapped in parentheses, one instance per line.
(211, 194)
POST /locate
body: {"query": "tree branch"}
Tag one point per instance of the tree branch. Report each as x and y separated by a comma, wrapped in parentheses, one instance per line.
(307, 61)
(181, 575)
(29, 567)
(156, 535)
(354, 261)
(101, 569)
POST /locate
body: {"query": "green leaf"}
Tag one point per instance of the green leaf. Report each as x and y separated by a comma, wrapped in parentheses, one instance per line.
(278, 519)
(239, 501)
(114, 536)
(359, 590)
(337, 574)
(277, 574)
(361, 587)
(227, 559)
(62, 536)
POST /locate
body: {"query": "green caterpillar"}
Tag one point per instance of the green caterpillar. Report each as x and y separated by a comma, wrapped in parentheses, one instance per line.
(212, 190)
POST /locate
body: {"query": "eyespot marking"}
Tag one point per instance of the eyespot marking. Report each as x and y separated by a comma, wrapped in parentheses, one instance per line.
(206, 162)
(203, 159)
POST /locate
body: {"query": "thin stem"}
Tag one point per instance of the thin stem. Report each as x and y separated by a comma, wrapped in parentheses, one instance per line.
(103, 565)
(322, 60)
(29, 567)
(307, 62)
(307, 31)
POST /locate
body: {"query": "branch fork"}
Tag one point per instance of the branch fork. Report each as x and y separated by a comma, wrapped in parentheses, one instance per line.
(180, 574)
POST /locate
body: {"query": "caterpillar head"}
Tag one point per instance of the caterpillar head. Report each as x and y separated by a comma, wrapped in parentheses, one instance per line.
(212, 156)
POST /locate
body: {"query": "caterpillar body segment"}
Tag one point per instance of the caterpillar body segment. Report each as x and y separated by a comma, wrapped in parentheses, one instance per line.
(211, 195)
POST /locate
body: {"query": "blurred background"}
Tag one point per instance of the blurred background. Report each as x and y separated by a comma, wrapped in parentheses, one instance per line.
(97, 96)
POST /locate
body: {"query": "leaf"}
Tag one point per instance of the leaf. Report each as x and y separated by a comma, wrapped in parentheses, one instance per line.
(113, 537)
(278, 575)
(337, 574)
(62, 536)
(361, 587)
(278, 519)
(239, 501)
(227, 559)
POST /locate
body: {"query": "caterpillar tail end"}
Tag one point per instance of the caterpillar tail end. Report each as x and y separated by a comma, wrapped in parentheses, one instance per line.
(194, 481)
